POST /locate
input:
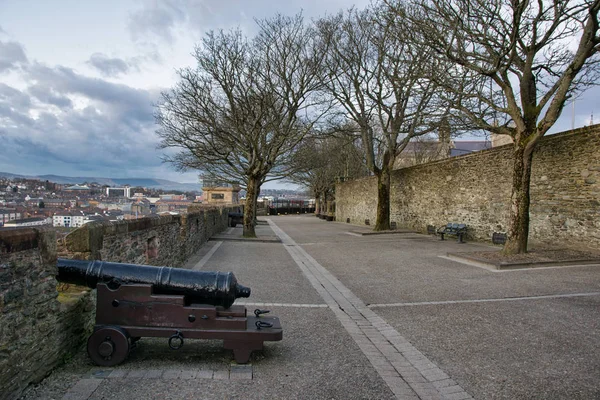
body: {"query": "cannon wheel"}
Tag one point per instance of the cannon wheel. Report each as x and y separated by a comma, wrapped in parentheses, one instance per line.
(108, 346)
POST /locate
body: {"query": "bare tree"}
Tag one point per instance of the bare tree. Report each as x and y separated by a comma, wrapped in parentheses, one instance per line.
(523, 60)
(239, 115)
(381, 81)
(320, 162)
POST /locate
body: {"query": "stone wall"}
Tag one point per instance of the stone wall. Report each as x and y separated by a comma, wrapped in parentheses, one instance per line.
(167, 240)
(40, 327)
(475, 189)
(37, 331)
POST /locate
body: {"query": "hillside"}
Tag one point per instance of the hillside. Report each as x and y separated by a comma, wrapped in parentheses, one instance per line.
(144, 182)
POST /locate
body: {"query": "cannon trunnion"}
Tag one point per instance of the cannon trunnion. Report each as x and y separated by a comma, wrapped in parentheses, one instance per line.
(133, 304)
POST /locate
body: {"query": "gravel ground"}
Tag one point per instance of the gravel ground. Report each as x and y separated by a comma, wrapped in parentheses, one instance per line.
(541, 349)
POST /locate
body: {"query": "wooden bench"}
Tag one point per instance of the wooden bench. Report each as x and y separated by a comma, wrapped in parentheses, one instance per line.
(458, 230)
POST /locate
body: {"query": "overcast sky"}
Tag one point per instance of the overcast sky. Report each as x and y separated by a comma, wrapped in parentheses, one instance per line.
(78, 78)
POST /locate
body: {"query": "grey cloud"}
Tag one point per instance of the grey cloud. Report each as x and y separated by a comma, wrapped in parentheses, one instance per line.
(13, 97)
(47, 95)
(156, 18)
(113, 133)
(108, 66)
(11, 55)
(198, 16)
(114, 98)
(113, 66)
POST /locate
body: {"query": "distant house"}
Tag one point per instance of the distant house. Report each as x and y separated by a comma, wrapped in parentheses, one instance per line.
(423, 151)
(172, 205)
(7, 215)
(56, 203)
(69, 220)
(461, 147)
(36, 221)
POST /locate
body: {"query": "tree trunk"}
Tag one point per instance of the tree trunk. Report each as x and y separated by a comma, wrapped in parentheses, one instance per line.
(382, 222)
(250, 207)
(256, 204)
(317, 204)
(518, 229)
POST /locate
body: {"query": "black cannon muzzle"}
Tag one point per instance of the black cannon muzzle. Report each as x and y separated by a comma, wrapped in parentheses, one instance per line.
(215, 288)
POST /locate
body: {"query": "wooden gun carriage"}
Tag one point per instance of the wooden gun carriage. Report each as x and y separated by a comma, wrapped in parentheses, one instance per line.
(135, 301)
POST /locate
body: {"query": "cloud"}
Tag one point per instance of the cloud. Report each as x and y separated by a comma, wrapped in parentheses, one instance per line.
(13, 97)
(66, 122)
(113, 66)
(48, 95)
(110, 98)
(157, 18)
(12, 55)
(108, 66)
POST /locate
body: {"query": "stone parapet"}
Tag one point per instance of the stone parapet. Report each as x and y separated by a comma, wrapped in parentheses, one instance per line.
(37, 330)
(41, 327)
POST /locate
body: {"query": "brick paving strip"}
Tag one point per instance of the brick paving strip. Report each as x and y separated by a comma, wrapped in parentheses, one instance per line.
(406, 371)
(84, 388)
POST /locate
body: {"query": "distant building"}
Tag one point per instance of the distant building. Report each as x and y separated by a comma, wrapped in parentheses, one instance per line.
(7, 215)
(77, 188)
(36, 221)
(461, 147)
(424, 151)
(220, 193)
(173, 197)
(172, 205)
(118, 192)
(69, 220)
(56, 203)
(500, 140)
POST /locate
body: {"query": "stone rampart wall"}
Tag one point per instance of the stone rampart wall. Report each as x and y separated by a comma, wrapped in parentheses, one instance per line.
(40, 327)
(37, 331)
(158, 240)
(475, 189)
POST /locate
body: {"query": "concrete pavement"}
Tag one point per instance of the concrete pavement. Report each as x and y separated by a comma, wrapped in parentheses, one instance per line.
(378, 316)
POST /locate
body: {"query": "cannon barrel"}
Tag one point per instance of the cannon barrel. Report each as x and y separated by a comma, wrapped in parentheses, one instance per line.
(215, 288)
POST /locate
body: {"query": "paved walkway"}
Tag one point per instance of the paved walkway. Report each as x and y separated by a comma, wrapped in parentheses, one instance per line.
(378, 316)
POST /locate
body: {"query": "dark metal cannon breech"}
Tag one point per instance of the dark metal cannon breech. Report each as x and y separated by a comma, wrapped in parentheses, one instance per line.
(215, 288)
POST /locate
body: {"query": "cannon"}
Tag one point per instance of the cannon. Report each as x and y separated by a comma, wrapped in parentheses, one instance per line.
(135, 301)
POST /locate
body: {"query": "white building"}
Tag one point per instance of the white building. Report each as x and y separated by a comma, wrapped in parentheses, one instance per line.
(118, 192)
(8, 215)
(68, 220)
(35, 221)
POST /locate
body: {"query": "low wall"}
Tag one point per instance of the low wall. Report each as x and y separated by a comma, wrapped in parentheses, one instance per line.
(37, 331)
(157, 240)
(475, 189)
(40, 327)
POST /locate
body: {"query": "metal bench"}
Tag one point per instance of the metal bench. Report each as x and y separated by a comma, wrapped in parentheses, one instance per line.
(235, 218)
(458, 230)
